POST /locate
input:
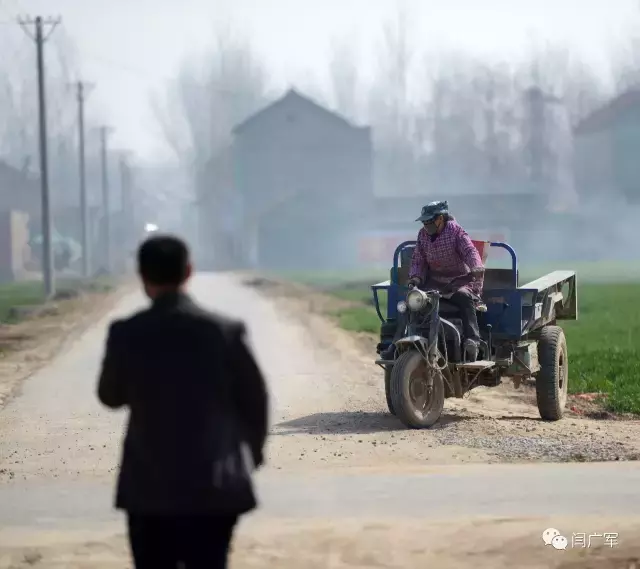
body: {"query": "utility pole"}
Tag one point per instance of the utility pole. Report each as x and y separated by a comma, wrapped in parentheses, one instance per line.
(126, 205)
(48, 268)
(125, 190)
(106, 205)
(81, 88)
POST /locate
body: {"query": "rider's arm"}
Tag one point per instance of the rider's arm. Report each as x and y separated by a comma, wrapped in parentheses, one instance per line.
(419, 258)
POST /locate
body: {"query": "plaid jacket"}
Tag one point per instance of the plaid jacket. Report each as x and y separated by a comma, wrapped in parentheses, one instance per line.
(450, 255)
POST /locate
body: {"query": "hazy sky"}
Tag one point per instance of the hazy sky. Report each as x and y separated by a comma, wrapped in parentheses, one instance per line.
(130, 47)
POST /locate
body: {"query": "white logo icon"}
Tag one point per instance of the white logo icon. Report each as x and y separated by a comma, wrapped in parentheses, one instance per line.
(560, 542)
(555, 539)
(549, 534)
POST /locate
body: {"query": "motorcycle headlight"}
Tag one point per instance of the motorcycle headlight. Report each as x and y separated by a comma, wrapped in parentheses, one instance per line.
(416, 300)
(402, 307)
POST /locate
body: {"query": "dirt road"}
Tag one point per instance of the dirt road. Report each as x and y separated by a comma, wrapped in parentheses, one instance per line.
(345, 485)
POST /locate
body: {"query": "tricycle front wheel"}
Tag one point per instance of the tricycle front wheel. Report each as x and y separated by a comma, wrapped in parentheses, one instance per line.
(387, 389)
(552, 381)
(416, 403)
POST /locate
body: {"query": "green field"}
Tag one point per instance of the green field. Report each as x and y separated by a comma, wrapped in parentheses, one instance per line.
(31, 293)
(604, 344)
(19, 294)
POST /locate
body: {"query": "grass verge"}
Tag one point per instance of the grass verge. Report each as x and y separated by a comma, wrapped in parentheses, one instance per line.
(25, 294)
(13, 295)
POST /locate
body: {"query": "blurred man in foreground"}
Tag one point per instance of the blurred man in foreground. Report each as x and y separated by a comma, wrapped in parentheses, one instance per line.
(198, 418)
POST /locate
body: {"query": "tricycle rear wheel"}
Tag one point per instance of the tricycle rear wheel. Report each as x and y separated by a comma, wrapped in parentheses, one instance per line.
(553, 378)
(416, 404)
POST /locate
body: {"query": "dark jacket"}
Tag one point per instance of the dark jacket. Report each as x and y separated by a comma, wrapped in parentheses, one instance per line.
(195, 394)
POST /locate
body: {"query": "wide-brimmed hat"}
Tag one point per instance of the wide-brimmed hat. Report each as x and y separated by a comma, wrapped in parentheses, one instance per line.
(433, 210)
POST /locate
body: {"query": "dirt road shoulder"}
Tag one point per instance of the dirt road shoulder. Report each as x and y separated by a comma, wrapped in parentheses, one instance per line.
(491, 543)
(32, 342)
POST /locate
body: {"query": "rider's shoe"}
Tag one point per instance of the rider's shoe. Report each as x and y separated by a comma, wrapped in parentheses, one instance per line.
(471, 349)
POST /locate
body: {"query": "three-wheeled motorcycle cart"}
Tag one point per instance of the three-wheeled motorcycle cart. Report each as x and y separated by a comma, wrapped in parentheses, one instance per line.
(520, 339)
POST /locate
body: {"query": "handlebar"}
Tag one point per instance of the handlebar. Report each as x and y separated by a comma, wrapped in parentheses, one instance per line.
(461, 280)
(432, 292)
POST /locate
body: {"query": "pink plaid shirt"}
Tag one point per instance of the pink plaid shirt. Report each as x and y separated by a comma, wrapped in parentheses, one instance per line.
(452, 254)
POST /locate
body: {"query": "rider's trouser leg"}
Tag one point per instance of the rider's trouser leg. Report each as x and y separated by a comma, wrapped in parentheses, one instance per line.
(465, 300)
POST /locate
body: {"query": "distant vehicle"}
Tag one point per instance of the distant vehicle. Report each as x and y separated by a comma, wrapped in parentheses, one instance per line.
(65, 250)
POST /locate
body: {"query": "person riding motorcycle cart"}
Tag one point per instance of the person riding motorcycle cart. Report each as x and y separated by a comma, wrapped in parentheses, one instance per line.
(445, 259)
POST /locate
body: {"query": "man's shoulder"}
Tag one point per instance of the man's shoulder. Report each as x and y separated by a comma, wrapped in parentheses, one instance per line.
(121, 326)
(191, 311)
(131, 320)
(226, 324)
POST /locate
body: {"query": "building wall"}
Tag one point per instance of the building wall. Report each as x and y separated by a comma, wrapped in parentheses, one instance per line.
(18, 192)
(15, 253)
(302, 175)
(307, 234)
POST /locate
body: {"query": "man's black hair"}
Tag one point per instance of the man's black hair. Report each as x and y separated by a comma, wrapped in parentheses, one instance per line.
(163, 260)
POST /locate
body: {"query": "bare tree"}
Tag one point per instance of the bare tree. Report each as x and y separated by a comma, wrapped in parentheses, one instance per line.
(390, 111)
(559, 73)
(626, 67)
(560, 90)
(18, 127)
(197, 115)
(449, 124)
(389, 100)
(345, 80)
(625, 61)
(210, 95)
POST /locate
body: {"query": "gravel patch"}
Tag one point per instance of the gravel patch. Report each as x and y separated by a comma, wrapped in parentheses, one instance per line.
(508, 446)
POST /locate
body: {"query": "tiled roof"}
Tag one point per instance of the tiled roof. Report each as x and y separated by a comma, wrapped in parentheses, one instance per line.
(293, 97)
(604, 117)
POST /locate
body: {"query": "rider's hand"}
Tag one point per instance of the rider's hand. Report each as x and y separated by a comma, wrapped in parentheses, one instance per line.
(476, 274)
